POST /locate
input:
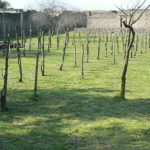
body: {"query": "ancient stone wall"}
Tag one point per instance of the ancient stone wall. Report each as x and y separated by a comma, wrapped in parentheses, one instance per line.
(104, 19)
(144, 22)
(68, 19)
(71, 20)
(112, 19)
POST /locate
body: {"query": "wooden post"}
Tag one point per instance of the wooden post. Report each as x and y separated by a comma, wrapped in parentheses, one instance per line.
(75, 50)
(43, 55)
(99, 46)
(21, 26)
(114, 49)
(4, 90)
(30, 32)
(24, 43)
(106, 41)
(19, 60)
(4, 26)
(36, 68)
(149, 41)
(82, 63)
(142, 43)
(145, 43)
(87, 49)
(136, 44)
(57, 38)
(117, 43)
(49, 41)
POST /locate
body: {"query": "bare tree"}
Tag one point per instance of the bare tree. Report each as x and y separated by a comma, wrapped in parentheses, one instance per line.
(50, 10)
(52, 7)
(62, 15)
(72, 19)
(133, 16)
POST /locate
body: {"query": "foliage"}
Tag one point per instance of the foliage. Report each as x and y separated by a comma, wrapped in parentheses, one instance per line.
(4, 4)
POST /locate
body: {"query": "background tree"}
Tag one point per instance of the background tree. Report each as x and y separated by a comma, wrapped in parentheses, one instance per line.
(4, 4)
(59, 16)
(50, 9)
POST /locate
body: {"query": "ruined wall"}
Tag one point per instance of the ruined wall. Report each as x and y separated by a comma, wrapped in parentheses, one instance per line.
(71, 20)
(144, 22)
(68, 19)
(102, 19)
(111, 19)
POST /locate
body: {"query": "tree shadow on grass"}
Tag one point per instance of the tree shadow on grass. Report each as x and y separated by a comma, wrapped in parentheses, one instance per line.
(32, 53)
(55, 111)
(78, 102)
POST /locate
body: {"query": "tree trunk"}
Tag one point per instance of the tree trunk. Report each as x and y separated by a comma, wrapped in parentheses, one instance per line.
(123, 77)
(64, 50)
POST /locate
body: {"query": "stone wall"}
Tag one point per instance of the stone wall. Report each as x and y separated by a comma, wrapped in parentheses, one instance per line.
(144, 22)
(67, 19)
(112, 19)
(105, 19)
(71, 20)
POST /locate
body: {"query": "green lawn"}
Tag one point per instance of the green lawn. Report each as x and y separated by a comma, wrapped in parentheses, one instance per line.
(70, 111)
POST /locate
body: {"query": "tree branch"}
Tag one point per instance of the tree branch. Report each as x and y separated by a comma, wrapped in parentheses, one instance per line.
(122, 11)
(140, 15)
(135, 9)
(132, 30)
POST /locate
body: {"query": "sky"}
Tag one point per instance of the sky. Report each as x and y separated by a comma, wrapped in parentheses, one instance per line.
(80, 4)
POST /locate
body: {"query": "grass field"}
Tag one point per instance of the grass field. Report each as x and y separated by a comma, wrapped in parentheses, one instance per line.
(72, 112)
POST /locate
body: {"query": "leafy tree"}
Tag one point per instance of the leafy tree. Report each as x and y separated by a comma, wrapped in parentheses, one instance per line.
(4, 4)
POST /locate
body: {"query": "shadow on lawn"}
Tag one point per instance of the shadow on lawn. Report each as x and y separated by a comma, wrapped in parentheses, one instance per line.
(32, 53)
(87, 105)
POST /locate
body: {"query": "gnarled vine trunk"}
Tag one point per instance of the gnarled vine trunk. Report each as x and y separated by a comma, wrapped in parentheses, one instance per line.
(123, 77)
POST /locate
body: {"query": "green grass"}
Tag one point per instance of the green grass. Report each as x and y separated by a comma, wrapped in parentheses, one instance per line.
(68, 107)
